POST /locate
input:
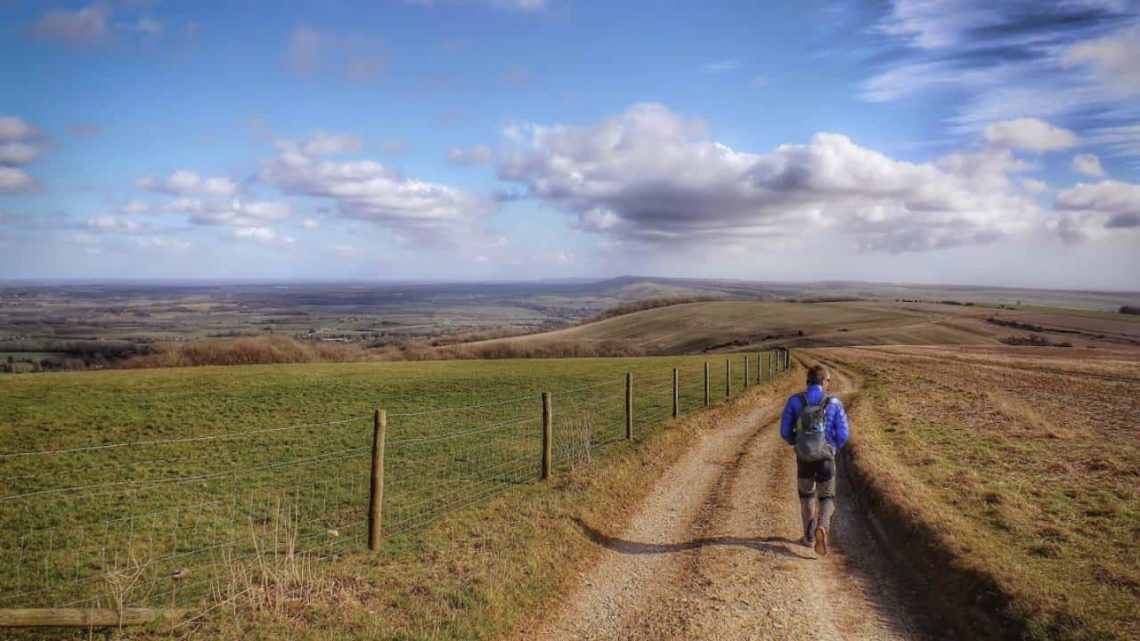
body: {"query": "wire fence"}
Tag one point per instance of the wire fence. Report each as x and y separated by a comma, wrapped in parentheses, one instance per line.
(156, 521)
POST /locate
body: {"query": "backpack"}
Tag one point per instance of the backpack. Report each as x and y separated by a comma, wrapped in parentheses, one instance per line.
(811, 432)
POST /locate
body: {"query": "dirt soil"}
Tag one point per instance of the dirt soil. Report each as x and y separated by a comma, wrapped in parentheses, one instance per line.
(712, 554)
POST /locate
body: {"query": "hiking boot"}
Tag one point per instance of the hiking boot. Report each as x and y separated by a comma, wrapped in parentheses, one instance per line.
(807, 541)
(821, 542)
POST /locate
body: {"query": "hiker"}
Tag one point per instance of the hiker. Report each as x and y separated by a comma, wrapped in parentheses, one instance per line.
(816, 426)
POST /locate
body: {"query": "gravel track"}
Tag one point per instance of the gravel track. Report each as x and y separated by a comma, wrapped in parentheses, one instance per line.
(711, 554)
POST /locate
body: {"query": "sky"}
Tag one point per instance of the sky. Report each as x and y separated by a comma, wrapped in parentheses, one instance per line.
(919, 141)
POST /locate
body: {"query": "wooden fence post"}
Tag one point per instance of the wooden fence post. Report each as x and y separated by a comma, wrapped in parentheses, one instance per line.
(706, 383)
(376, 495)
(676, 393)
(727, 377)
(547, 435)
(628, 405)
(746, 371)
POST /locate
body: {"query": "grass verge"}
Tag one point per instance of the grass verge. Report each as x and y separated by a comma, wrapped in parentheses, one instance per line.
(477, 573)
(995, 471)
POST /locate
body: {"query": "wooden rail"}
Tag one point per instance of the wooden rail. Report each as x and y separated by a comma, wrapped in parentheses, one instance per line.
(85, 618)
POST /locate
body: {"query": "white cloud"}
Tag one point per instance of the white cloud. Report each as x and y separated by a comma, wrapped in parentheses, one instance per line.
(148, 26)
(1093, 210)
(18, 153)
(234, 212)
(1035, 187)
(1030, 133)
(110, 224)
(160, 244)
(1087, 164)
(136, 207)
(310, 223)
(188, 183)
(478, 155)
(324, 143)
(1114, 58)
(85, 26)
(262, 235)
(19, 145)
(649, 176)
(367, 190)
(15, 180)
(13, 128)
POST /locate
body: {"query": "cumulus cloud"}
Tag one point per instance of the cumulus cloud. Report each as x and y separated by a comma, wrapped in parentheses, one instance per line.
(18, 153)
(369, 191)
(310, 223)
(86, 26)
(20, 144)
(15, 180)
(1030, 133)
(234, 212)
(478, 155)
(650, 176)
(188, 183)
(1087, 164)
(1089, 208)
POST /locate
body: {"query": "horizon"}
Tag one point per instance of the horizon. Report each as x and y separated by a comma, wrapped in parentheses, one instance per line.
(471, 141)
(554, 280)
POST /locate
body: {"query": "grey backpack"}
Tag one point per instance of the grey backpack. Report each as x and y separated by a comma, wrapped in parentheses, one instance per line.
(811, 432)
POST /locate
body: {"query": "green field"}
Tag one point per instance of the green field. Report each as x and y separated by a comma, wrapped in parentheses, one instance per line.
(171, 474)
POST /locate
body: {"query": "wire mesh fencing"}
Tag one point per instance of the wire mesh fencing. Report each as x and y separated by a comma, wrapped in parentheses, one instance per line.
(162, 521)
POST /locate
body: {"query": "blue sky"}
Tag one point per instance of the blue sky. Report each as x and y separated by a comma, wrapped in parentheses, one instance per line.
(953, 142)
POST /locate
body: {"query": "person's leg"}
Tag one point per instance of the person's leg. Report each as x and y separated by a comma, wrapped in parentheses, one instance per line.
(805, 485)
(825, 487)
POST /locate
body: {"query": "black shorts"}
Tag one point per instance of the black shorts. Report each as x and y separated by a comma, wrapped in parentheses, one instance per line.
(818, 471)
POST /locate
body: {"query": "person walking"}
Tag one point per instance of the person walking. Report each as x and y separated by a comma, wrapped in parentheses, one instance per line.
(815, 425)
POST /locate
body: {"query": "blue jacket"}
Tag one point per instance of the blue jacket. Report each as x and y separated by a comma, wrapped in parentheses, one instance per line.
(836, 418)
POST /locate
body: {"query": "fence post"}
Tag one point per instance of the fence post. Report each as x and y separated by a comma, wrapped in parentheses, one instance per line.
(676, 393)
(376, 494)
(547, 435)
(746, 371)
(628, 405)
(727, 377)
(706, 383)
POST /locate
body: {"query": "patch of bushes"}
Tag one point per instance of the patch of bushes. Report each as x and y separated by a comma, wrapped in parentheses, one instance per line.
(648, 303)
(1129, 309)
(1033, 340)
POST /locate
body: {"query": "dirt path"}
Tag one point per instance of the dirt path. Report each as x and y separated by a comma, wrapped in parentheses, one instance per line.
(711, 554)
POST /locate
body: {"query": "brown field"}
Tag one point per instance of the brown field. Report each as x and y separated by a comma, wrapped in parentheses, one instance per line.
(750, 325)
(1023, 465)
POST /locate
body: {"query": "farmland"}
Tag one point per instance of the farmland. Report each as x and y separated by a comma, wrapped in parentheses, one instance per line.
(1021, 465)
(744, 325)
(179, 471)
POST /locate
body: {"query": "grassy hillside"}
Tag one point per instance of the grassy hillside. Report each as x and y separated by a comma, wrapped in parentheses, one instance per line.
(743, 325)
(175, 473)
(1021, 465)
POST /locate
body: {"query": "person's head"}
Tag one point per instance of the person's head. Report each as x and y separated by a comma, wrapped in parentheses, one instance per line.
(818, 375)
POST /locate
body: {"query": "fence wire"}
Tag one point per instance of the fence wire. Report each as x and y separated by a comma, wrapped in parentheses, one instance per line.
(163, 522)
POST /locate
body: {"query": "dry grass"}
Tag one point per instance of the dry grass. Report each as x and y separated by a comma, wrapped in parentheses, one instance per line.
(1019, 466)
